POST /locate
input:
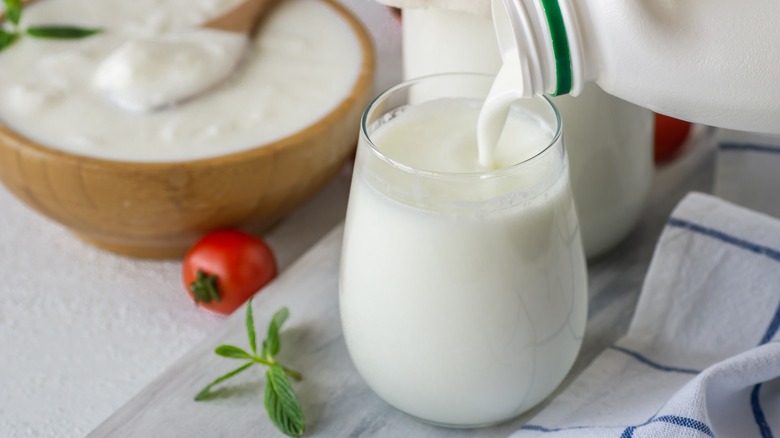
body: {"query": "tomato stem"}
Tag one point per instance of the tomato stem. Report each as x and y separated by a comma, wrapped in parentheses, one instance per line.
(205, 288)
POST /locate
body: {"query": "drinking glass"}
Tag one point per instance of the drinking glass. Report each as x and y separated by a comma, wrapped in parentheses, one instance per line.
(462, 294)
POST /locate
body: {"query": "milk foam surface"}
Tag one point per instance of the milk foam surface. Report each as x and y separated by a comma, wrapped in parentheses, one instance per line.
(436, 146)
(461, 307)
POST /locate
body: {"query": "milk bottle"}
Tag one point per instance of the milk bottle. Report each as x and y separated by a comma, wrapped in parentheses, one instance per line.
(462, 289)
(708, 61)
(609, 141)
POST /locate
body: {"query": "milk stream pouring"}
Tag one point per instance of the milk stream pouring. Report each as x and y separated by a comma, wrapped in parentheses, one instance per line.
(608, 140)
(709, 61)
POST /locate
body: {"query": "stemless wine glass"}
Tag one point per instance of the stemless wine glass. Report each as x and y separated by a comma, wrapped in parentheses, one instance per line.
(463, 294)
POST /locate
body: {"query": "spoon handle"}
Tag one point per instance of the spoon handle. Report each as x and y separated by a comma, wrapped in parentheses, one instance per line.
(243, 18)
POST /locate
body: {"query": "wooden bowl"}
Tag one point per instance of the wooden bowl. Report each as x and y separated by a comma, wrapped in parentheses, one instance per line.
(157, 210)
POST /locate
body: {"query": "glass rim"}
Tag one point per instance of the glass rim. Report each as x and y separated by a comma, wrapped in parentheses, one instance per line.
(489, 173)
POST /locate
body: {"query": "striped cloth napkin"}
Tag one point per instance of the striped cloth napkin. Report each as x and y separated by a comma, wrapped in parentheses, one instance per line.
(702, 355)
(747, 170)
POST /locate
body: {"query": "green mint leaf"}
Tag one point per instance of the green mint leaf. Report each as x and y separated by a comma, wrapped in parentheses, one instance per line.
(232, 352)
(12, 4)
(13, 11)
(7, 38)
(271, 343)
(60, 32)
(250, 327)
(282, 405)
(204, 393)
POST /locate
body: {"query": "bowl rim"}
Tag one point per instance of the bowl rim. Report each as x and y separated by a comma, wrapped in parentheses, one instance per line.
(362, 84)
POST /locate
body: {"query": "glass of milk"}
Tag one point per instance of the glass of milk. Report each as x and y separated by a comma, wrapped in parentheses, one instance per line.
(462, 288)
(609, 140)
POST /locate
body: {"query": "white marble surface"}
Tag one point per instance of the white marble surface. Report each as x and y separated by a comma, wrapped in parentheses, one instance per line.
(82, 331)
(85, 333)
(336, 401)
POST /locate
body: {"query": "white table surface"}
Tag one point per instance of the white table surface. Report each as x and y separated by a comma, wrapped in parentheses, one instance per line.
(82, 330)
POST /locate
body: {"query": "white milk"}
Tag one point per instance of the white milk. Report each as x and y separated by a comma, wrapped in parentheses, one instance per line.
(463, 294)
(612, 162)
(608, 140)
(505, 90)
(303, 62)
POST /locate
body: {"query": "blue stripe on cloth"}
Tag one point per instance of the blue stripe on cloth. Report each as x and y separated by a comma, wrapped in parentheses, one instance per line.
(727, 238)
(774, 325)
(538, 428)
(758, 413)
(656, 365)
(676, 420)
(772, 330)
(690, 423)
(748, 147)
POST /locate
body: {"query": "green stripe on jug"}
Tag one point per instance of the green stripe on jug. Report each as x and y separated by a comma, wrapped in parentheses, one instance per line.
(560, 45)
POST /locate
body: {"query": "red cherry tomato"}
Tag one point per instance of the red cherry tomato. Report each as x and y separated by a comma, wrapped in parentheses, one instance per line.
(670, 135)
(225, 268)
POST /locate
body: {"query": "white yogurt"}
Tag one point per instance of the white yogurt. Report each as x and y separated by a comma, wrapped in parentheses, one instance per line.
(463, 298)
(304, 60)
(144, 74)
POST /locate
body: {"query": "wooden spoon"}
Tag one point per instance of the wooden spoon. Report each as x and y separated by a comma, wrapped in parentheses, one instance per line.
(152, 73)
(243, 18)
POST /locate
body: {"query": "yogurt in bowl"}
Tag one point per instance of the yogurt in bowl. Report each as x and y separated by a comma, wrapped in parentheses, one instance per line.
(303, 61)
(148, 184)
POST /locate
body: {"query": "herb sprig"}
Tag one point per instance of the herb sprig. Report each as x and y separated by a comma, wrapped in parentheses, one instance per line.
(13, 14)
(280, 402)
